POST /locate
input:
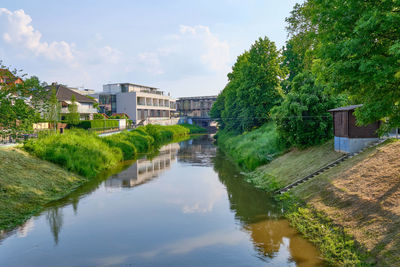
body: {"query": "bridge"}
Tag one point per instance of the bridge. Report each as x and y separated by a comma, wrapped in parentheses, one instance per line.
(196, 109)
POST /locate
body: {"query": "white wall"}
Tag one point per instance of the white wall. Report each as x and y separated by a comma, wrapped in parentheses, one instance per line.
(126, 103)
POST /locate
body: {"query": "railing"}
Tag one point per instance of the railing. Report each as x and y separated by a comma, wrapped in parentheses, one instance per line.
(15, 138)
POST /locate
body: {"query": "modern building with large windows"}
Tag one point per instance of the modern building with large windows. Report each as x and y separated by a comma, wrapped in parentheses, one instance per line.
(140, 103)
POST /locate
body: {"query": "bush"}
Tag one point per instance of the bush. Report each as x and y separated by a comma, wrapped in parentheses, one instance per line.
(97, 124)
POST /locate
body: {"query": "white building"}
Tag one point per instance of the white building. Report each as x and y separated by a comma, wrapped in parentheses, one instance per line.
(141, 103)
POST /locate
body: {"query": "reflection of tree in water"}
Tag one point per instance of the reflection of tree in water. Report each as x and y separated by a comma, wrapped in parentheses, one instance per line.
(197, 151)
(252, 207)
(54, 217)
(250, 204)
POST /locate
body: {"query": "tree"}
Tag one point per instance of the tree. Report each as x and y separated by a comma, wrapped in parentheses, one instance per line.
(298, 53)
(303, 118)
(53, 108)
(73, 116)
(359, 53)
(253, 88)
(17, 112)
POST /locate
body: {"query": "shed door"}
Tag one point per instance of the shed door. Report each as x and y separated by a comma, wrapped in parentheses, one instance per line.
(341, 123)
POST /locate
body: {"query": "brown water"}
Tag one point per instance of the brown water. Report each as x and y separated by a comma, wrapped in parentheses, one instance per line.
(187, 206)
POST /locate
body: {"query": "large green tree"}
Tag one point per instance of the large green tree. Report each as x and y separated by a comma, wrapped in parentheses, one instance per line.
(359, 53)
(253, 88)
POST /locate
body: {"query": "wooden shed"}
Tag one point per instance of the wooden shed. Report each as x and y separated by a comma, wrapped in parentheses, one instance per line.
(349, 137)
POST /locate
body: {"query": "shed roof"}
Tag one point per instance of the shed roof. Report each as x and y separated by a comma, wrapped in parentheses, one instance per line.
(65, 94)
(346, 108)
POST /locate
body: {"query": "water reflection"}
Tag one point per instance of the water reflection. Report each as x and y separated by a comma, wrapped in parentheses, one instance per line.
(144, 170)
(261, 217)
(54, 217)
(198, 151)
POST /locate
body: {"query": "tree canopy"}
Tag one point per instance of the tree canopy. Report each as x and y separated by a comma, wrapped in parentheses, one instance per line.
(303, 119)
(253, 88)
(359, 54)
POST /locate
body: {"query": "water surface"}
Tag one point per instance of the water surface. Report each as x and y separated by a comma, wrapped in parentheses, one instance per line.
(187, 206)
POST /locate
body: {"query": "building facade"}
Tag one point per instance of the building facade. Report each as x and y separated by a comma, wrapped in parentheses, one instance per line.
(196, 109)
(140, 103)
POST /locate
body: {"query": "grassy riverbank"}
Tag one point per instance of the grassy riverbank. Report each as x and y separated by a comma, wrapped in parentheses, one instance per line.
(252, 149)
(28, 183)
(60, 163)
(350, 212)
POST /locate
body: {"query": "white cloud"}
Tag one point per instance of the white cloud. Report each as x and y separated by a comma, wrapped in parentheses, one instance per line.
(110, 55)
(17, 30)
(189, 52)
(150, 62)
(216, 53)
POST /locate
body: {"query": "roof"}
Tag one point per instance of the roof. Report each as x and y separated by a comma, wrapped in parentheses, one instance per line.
(65, 94)
(134, 84)
(346, 108)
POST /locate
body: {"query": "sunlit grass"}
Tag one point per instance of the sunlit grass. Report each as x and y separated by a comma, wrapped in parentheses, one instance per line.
(252, 149)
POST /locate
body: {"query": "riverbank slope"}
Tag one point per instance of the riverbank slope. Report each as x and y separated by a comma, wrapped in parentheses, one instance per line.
(28, 183)
(351, 211)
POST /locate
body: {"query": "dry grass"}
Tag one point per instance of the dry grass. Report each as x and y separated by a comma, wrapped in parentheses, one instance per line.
(363, 195)
(293, 165)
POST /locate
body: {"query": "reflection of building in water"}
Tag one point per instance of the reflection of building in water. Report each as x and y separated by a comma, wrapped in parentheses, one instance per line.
(197, 151)
(144, 170)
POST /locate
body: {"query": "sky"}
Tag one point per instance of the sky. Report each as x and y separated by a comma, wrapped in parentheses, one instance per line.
(184, 47)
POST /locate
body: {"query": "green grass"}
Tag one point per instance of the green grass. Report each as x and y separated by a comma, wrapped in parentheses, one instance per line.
(194, 129)
(337, 247)
(252, 149)
(28, 183)
(76, 150)
(292, 166)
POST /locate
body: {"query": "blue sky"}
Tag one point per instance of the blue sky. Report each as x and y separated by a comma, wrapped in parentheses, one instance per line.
(183, 47)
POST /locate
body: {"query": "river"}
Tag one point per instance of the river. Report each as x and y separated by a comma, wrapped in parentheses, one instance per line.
(186, 206)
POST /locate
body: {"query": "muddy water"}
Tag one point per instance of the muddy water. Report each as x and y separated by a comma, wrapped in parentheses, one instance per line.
(186, 206)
